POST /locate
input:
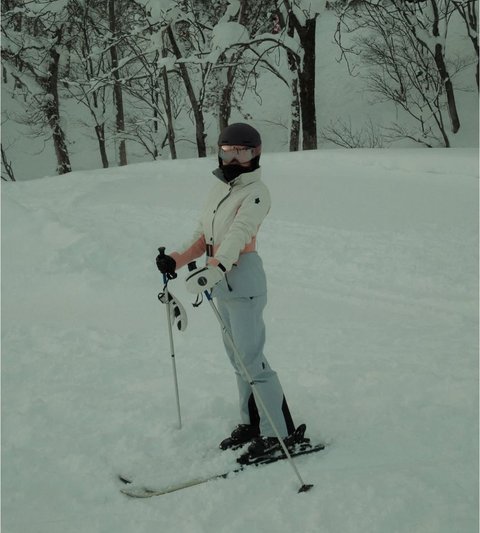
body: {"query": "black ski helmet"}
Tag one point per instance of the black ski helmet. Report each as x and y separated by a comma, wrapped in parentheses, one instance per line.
(240, 134)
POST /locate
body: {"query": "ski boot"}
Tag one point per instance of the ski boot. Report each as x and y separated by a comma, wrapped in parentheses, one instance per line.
(242, 434)
(265, 448)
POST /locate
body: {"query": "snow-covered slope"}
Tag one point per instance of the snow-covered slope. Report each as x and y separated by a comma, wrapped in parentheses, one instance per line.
(372, 321)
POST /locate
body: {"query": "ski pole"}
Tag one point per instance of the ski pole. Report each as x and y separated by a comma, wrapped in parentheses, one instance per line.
(172, 348)
(258, 397)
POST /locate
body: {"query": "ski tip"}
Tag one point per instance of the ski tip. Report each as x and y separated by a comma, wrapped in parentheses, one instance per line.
(304, 488)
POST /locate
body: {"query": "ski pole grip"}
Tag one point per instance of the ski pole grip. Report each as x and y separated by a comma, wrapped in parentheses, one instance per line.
(161, 252)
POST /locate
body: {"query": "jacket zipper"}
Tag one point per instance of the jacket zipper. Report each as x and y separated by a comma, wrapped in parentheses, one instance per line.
(215, 213)
(213, 223)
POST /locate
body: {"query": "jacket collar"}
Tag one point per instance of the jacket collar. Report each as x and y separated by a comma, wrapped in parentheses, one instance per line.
(242, 180)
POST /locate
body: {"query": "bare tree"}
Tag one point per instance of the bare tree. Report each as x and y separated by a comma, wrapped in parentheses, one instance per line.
(428, 24)
(85, 78)
(222, 72)
(295, 104)
(304, 24)
(154, 124)
(343, 134)
(7, 170)
(225, 107)
(400, 67)
(117, 86)
(239, 69)
(32, 46)
(196, 101)
(168, 108)
(468, 10)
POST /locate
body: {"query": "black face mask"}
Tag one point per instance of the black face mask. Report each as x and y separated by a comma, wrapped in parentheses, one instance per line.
(230, 172)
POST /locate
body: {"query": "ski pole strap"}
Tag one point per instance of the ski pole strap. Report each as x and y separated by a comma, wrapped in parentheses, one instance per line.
(165, 286)
(198, 301)
(208, 295)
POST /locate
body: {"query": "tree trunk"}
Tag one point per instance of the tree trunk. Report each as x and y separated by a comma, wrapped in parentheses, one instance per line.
(196, 108)
(471, 20)
(440, 62)
(468, 12)
(117, 87)
(51, 105)
(197, 111)
(100, 132)
(97, 95)
(295, 118)
(226, 99)
(473, 25)
(452, 106)
(306, 77)
(295, 112)
(51, 109)
(168, 110)
(225, 109)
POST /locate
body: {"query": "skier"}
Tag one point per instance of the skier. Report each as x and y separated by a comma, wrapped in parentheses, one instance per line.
(226, 233)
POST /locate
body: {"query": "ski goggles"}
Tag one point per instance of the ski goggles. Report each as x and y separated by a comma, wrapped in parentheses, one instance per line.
(242, 154)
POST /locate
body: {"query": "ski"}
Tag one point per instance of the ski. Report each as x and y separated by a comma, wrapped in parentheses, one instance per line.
(140, 491)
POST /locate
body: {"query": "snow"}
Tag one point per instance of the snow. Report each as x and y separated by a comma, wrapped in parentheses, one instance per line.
(372, 324)
(56, 7)
(157, 8)
(231, 11)
(224, 36)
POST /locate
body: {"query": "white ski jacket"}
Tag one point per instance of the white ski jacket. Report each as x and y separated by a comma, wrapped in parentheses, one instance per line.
(229, 222)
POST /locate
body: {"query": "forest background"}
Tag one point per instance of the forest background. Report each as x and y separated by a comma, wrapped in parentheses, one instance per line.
(97, 83)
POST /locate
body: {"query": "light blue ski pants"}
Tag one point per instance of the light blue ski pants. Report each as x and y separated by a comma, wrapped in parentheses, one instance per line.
(243, 316)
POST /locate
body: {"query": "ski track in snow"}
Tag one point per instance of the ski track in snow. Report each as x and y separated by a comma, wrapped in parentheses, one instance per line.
(372, 325)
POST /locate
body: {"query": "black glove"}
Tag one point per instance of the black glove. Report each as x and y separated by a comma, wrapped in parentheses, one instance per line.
(166, 264)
